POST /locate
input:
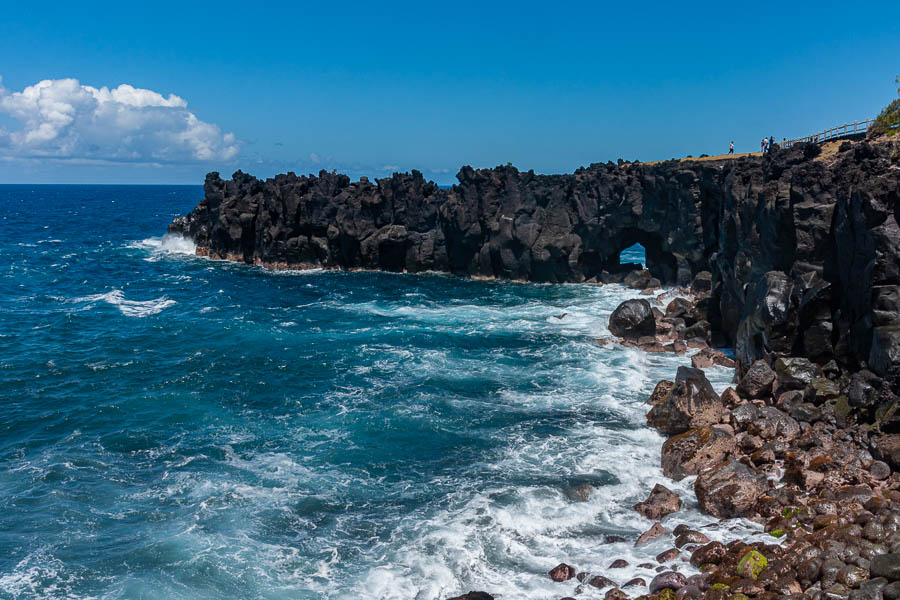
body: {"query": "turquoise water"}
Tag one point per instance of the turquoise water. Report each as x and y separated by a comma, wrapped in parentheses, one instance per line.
(175, 427)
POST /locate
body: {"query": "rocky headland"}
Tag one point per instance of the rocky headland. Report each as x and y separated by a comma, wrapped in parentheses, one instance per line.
(792, 260)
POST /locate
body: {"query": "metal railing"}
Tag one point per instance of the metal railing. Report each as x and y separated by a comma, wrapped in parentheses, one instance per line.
(845, 130)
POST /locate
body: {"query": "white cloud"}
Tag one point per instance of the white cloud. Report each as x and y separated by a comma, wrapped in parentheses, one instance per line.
(63, 119)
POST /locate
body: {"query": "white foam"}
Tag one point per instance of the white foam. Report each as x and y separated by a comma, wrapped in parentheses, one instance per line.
(167, 245)
(129, 308)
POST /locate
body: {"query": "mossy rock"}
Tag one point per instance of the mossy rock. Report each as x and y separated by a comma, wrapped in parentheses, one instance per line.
(841, 408)
(751, 565)
(720, 586)
(777, 533)
(666, 594)
(740, 596)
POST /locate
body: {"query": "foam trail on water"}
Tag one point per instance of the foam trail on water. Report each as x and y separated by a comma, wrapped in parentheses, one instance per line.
(129, 308)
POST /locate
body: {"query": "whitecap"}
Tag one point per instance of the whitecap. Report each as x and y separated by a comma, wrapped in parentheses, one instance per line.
(129, 308)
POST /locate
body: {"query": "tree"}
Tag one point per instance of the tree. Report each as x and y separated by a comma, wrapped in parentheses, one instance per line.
(888, 121)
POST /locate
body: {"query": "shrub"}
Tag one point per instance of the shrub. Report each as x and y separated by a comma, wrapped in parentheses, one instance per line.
(888, 121)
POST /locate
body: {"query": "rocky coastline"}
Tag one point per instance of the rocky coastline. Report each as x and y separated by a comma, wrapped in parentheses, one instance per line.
(792, 260)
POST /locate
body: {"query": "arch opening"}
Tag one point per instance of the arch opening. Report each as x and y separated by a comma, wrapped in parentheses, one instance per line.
(638, 249)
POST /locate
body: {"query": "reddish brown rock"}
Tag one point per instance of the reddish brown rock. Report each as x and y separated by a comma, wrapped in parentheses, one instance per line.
(729, 489)
(659, 392)
(695, 449)
(711, 554)
(562, 572)
(691, 402)
(661, 502)
(651, 534)
(708, 357)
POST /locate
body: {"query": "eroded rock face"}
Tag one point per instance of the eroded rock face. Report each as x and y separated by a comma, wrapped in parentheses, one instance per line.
(690, 403)
(807, 252)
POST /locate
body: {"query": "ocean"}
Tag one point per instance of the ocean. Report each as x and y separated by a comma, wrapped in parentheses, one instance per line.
(177, 427)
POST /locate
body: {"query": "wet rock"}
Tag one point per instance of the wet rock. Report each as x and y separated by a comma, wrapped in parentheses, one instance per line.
(633, 319)
(474, 596)
(711, 554)
(757, 380)
(689, 592)
(615, 594)
(869, 590)
(887, 566)
(689, 452)
(891, 591)
(661, 502)
(668, 555)
(690, 537)
(636, 582)
(600, 582)
(669, 579)
(852, 576)
(692, 402)
(562, 572)
(618, 564)
(651, 534)
(729, 490)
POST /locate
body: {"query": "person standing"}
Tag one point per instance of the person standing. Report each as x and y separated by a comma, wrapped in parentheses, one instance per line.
(762, 145)
(731, 147)
(771, 143)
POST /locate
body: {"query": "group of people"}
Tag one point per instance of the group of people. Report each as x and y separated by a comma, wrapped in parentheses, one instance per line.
(766, 145)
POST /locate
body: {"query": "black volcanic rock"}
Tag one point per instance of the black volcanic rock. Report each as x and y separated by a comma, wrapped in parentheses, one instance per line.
(804, 254)
(633, 319)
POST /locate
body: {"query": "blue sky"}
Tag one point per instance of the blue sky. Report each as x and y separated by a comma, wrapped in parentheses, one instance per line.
(367, 88)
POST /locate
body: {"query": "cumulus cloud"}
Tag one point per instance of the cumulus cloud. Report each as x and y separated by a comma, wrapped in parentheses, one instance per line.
(64, 119)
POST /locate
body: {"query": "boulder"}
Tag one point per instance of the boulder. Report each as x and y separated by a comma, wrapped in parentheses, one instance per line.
(661, 502)
(771, 423)
(680, 308)
(729, 490)
(651, 534)
(562, 572)
(795, 373)
(887, 566)
(632, 320)
(474, 596)
(688, 453)
(707, 357)
(668, 580)
(711, 554)
(757, 381)
(702, 283)
(690, 403)
(660, 391)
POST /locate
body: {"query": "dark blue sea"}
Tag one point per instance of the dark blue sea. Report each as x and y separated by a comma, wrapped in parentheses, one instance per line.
(177, 427)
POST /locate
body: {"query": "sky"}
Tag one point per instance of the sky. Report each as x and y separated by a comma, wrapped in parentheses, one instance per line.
(163, 92)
